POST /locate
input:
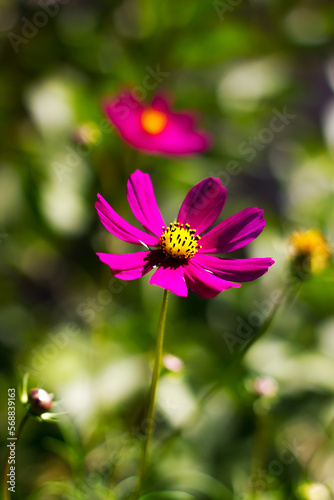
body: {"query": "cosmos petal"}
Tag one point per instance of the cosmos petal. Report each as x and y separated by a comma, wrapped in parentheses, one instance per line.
(234, 232)
(239, 270)
(131, 266)
(120, 228)
(170, 277)
(203, 204)
(204, 283)
(143, 204)
(160, 103)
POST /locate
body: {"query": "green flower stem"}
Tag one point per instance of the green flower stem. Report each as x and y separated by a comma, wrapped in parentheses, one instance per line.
(6, 471)
(153, 394)
(263, 431)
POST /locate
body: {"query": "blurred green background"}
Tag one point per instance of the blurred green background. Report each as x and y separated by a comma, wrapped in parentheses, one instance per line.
(89, 338)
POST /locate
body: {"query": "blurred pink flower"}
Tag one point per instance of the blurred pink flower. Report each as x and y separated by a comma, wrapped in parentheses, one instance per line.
(155, 128)
(174, 251)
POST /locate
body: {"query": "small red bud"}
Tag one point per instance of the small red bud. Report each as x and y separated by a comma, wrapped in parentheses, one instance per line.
(39, 401)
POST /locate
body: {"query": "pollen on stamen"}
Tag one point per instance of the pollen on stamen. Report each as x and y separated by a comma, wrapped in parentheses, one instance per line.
(179, 241)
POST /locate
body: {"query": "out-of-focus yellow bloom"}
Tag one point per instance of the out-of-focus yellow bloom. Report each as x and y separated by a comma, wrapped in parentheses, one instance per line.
(310, 251)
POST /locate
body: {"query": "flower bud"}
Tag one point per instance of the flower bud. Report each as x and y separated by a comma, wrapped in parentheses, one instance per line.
(172, 363)
(265, 386)
(39, 401)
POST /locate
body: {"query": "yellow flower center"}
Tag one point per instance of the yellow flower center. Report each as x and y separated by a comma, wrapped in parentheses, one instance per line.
(153, 121)
(179, 241)
(312, 246)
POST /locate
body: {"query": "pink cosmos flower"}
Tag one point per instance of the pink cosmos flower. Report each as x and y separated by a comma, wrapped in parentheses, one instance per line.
(178, 253)
(155, 128)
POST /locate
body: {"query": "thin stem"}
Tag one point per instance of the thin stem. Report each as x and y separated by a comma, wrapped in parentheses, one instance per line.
(328, 437)
(6, 471)
(289, 295)
(260, 451)
(153, 394)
